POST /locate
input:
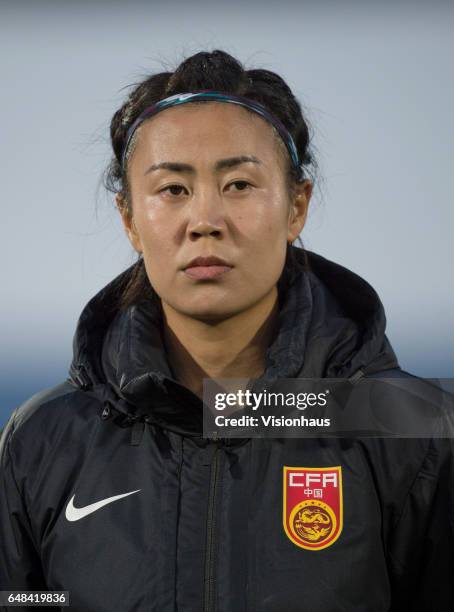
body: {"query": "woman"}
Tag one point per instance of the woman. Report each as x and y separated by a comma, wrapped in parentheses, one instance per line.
(109, 490)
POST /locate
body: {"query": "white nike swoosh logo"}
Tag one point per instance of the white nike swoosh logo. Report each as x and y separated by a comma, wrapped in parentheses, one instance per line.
(74, 514)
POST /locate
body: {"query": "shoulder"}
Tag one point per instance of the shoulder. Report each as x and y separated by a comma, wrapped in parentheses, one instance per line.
(413, 396)
(418, 413)
(45, 415)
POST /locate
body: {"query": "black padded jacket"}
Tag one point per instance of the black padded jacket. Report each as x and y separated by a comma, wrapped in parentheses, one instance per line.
(108, 489)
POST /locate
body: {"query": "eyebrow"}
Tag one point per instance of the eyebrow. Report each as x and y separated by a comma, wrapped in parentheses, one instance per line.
(229, 162)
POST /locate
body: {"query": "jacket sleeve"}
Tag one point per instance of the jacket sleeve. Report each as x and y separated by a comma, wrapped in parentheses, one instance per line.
(20, 567)
(421, 554)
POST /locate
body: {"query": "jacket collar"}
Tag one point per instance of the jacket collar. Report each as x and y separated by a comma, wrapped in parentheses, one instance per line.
(331, 324)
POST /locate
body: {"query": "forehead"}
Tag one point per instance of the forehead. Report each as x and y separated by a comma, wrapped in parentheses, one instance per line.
(191, 127)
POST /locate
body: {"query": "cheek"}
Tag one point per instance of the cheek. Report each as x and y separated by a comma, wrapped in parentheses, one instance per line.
(154, 227)
(157, 243)
(266, 225)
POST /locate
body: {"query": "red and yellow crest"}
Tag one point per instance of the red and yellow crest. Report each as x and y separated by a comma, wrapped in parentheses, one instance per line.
(313, 506)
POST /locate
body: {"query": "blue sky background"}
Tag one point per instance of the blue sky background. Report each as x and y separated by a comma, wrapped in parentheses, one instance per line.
(376, 81)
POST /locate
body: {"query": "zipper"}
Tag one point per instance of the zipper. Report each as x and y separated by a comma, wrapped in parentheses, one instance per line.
(210, 552)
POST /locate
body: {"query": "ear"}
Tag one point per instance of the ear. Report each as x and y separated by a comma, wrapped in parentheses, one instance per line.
(128, 222)
(298, 210)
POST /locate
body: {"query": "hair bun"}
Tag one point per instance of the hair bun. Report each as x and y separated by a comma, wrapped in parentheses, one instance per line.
(206, 70)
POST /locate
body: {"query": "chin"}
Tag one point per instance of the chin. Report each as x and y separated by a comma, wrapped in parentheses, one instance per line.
(207, 308)
(210, 314)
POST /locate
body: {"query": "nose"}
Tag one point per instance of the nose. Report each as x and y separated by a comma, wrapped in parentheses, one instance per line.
(206, 215)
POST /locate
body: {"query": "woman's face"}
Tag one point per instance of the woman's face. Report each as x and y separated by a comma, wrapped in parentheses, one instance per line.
(210, 181)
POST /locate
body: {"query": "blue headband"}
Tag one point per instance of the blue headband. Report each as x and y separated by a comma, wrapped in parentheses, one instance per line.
(221, 97)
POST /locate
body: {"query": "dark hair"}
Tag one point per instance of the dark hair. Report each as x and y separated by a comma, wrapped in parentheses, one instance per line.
(204, 70)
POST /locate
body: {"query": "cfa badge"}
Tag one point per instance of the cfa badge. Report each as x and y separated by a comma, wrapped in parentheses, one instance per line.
(313, 506)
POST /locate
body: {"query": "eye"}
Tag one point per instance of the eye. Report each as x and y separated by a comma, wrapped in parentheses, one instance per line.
(243, 184)
(172, 187)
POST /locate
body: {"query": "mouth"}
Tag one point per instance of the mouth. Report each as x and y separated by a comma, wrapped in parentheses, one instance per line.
(204, 272)
(202, 268)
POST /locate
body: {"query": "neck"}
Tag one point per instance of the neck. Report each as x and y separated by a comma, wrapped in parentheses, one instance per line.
(229, 348)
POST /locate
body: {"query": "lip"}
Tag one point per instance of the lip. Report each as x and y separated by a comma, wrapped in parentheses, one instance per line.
(201, 268)
(203, 272)
(210, 260)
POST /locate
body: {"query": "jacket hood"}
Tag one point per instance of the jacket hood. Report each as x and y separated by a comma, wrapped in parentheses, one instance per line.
(331, 324)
